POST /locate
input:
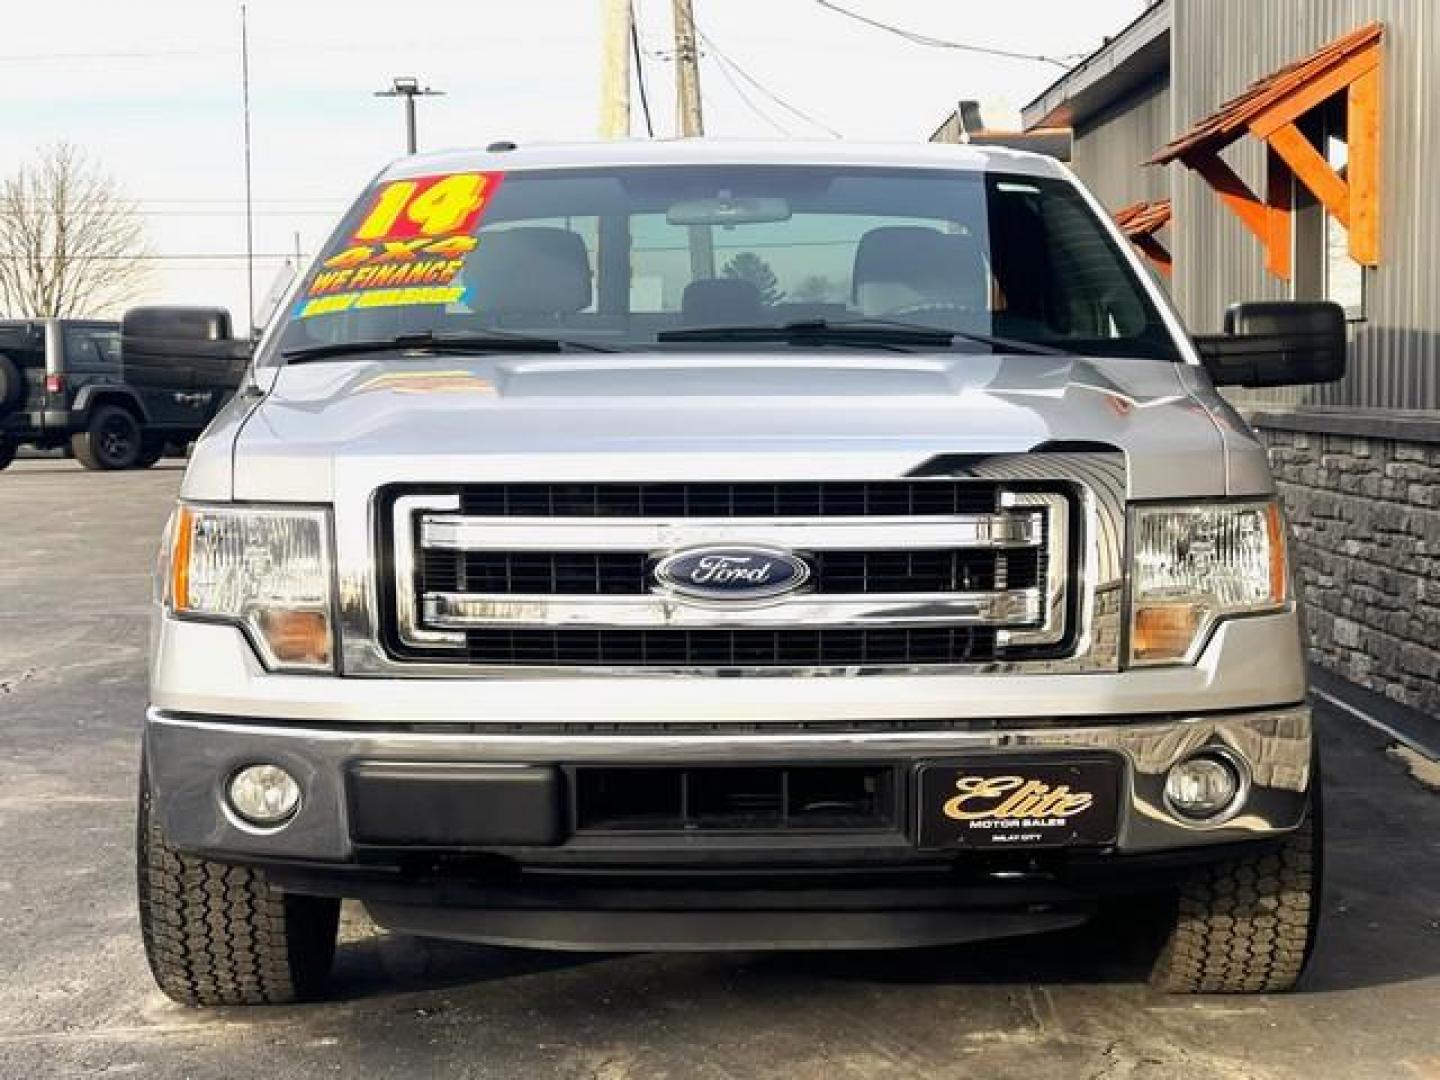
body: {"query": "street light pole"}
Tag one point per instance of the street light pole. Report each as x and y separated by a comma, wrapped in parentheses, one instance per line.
(408, 87)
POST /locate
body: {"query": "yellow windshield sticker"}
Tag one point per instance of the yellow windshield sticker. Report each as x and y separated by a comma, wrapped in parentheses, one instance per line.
(381, 298)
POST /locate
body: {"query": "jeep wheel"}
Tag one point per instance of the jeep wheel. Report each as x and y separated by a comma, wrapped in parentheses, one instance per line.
(1247, 926)
(7, 453)
(111, 440)
(12, 385)
(223, 935)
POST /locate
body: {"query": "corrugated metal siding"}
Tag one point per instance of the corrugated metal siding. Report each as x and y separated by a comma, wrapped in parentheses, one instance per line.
(1222, 45)
(1109, 148)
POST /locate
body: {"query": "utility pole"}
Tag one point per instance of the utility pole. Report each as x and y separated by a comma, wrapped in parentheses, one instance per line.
(408, 87)
(615, 70)
(691, 120)
(687, 72)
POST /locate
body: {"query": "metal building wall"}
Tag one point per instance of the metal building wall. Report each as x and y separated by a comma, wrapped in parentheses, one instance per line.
(1110, 146)
(1222, 45)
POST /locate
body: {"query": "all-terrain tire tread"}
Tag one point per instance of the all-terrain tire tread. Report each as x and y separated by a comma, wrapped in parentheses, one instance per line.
(1245, 925)
(223, 935)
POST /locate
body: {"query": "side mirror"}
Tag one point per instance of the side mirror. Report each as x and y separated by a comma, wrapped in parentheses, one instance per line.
(1277, 343)
(189, 347)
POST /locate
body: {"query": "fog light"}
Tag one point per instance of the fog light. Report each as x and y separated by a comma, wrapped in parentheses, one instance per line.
(264, 794)
(1203, 787)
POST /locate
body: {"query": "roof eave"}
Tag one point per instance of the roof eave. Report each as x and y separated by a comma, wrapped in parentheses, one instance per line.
(1133, 57)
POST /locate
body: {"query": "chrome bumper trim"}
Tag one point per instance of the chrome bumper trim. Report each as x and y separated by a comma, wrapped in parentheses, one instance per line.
(189, 757)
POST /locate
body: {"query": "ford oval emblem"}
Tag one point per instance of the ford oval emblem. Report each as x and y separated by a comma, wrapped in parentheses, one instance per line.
(731, 573)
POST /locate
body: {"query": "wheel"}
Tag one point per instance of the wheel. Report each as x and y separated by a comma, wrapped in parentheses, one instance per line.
(1247, 926)
(7, 453)
(12, 385)
(111, 440)
(223, 935)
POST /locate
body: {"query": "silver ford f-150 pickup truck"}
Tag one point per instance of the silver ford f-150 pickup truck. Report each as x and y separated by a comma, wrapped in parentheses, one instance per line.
(704, 546)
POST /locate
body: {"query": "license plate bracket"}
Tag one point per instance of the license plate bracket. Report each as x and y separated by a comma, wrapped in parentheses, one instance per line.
(1018, 802)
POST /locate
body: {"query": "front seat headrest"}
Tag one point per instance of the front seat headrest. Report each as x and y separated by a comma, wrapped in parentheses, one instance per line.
(531, 270)
(901, 265)
(720, 301)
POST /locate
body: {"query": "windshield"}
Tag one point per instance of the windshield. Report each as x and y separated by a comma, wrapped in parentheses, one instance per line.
(622, 257)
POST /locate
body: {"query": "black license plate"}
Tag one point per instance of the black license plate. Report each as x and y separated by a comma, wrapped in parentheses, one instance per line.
(1018, 802)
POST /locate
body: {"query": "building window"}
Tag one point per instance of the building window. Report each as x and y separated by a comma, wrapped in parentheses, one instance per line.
(1325, 269)
(1344, 277)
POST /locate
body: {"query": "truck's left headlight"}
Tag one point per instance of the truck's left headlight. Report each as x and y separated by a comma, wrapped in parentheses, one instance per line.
(265, 569)
(1193, 565)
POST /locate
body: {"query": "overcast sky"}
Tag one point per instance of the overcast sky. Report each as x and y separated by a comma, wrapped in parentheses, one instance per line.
(151, 90)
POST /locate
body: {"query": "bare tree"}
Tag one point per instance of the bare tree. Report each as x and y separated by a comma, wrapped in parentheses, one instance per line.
(70, 242)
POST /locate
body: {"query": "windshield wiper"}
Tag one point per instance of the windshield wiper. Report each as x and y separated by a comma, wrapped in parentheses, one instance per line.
(881, 332)
(428, 342)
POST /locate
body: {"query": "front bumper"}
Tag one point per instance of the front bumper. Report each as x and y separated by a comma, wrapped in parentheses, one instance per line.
(191, 757)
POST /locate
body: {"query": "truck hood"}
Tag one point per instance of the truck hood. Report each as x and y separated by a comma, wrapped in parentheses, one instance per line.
(324, 428)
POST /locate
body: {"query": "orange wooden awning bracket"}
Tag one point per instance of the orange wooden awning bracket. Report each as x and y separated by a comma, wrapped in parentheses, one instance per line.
(1269, 110)
(1268, 220)
(1156, 252)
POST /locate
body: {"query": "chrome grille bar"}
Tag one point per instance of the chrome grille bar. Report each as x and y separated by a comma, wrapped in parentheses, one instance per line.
(459, 611)
(456, 532)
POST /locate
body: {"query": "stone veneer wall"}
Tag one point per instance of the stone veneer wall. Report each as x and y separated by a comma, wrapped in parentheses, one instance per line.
(1365, 514)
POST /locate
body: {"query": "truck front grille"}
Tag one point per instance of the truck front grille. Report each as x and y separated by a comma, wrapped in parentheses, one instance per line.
(902, 574)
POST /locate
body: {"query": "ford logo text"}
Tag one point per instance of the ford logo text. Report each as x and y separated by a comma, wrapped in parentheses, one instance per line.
(731, 573)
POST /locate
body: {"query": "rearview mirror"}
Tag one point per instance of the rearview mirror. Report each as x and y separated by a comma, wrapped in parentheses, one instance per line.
(1277, 343)
(745, 210)
(189, 347)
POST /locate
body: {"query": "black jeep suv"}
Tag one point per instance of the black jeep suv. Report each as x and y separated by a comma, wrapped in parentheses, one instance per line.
(63, 384)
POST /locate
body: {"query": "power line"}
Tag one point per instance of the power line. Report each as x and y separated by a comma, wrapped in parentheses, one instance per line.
(758, 85)
(139, 54)
(338, 200)
(741, 93)
(939, 43)
(221, 256)
(640, 73)
(40, 211)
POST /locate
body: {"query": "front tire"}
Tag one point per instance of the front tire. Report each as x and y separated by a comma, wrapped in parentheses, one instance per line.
(7, 453)
(111, 440)
(1247, 926)
(223, 935)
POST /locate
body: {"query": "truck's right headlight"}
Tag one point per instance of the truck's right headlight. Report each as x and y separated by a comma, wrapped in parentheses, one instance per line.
(265, 569)
(1192, 565)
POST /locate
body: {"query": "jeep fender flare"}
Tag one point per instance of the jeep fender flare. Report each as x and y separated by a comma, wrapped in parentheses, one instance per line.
(99, 394)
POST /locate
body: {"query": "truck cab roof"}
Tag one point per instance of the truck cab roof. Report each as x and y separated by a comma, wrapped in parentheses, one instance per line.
(659, 152)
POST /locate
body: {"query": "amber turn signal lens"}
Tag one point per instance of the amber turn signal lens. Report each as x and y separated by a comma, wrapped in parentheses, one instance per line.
(297, 637)
(1279, 571)
(180, 559)
(1164, 631)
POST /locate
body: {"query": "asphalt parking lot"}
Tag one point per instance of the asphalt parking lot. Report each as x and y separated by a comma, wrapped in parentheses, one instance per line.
(76, 550)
